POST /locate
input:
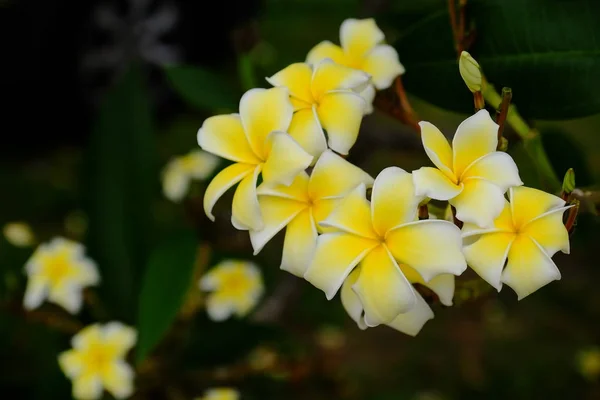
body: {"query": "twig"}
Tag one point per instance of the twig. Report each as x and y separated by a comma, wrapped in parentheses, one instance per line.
(502, 113)
(59, 322)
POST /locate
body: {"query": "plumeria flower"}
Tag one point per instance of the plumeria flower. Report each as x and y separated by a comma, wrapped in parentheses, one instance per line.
(362, 49)
(324, 97)
(221, 394)
(256, 141)
(378, 234)
(18, 234)
(527, 233)
(235, 286)
(302, 205)
(59, 271)
(97, 361)
(180, 171)
(471, 175)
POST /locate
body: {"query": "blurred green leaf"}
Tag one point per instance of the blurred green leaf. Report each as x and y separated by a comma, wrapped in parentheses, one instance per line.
(203, 88)
(565, 153)
(546, 51)
(121, 180)
(165, 284)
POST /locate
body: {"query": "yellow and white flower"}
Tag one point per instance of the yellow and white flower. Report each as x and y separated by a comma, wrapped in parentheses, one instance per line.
(376, 236)
(362, 49)
(59, 271)
(324, 97)
(471, 175)
(302, 205)
(527, 233)
(180, 171)
(97, 361)
(18, 234)
(221, 394)
(256, 141)
(235, 286)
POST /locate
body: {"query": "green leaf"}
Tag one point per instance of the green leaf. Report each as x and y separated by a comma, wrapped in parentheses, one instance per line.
(121, 180)
(202, 88)
(546, 51)
(166, 282)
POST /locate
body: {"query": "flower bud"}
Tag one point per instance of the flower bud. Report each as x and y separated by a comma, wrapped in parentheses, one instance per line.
(470, 72)
(569, 181)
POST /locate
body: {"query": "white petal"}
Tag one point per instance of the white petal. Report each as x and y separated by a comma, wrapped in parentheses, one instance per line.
(87, 387)
(480, 202)
(68, 295)
(475, 137)
(118, 379)
(286, 159)
(487, 256)
(222, 182)
(218, 309)
(412, 322)
(368, 94)
(300, 243)
(245, 211)
(383, 65)
(359, 36)
(36, 292)
(433, 183)
(497, 167)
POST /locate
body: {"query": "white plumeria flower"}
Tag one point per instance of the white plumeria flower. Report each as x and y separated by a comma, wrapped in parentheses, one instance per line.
(59, 271)
(220, 394)
(19, 234)
(180, 171)
(235, 286)
(362, 49)
(97, 361)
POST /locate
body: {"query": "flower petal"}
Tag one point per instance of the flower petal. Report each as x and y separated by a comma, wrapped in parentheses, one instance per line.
(433, 183)
(359, 36)
(497, 167)
(286, 159)
(382, 288)
(383, 65)
(68, 295)
(393, 200)
(335, 256)
(175, 182)
(298, 190)
(353, 215)
(549, 231)
(218, 308)
(368, 94)
(442, 284)
(224, 136)
(299, 244)
(475, 137)
(480, 202)
(222, 182)
(245, 211)
(118, 379)
(351, 301)
(324, 50)
(412, 321)
(200, 164)
(71, 363)
(296, 78)
(120, 337)
(88, 387)
(341, 113)
(322, 209)
(529, 267)
(431, 247)
(87, 273)
(306, 130)
(89, 336)
(528, 203)
(329, 76)
(264, 111)
(36, 292)
(487, 256)
(333, 176)
(437, 147)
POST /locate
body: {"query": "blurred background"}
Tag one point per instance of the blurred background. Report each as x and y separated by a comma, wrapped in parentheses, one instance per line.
(97, 97)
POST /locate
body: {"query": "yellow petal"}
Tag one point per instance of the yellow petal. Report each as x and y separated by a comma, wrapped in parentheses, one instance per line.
(368, 94)
(68, 295)
(35, 293)
(19, 234)
(353, 215)
(431, 247)
(86, 273)
(528, 203)
(285, 161)
(382, 288)
(412, 321)
(298, 190)
(324, 50)
(264, 111)
(437, 148)
(442, 284)
(383, 65)
(199, 164)
(71, 363)
(328, 76)
(486, 255)
(120, 338)
(433, 183)
(306, 130)
(87, 387)
(497, 167)
(245, 211)
(335, 256)
(223, 181)
(221, 394)
(224, 136)
(350, 299)
(277, 212)
(549, 231)
(359, 36)
(296, 78)
(322, 209)
(529, 267)
(480, 202)
(299, 244)
(333, 176)
(90, 336)
(340, 114)
(475, 137)
(118, 379)
(393, 201)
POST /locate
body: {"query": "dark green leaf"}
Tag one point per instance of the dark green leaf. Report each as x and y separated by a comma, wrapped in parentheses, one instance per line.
(166, 282)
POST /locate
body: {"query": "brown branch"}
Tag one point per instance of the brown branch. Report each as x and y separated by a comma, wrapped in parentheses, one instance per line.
(57, 321)
(502, 113)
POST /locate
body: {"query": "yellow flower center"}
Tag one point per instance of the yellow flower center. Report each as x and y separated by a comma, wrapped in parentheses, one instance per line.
(57, 267)
(236, 284)
(97, 359)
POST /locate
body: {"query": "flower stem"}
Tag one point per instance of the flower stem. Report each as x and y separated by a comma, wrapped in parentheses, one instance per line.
(246, 71)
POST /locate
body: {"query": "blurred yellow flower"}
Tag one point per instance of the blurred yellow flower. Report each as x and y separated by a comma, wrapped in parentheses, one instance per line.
(528, 232)
(471, 175)
(324, 97)
(362, 49)
(302, 205)
(220, 394)
(180, 171)
(256, 141)
(59, 271)
(97, 361)
(375, 235)
(18, 234)
(235, 286)
(588, 362)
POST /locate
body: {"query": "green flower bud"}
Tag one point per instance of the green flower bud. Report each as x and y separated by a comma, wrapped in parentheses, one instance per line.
(470, 72)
